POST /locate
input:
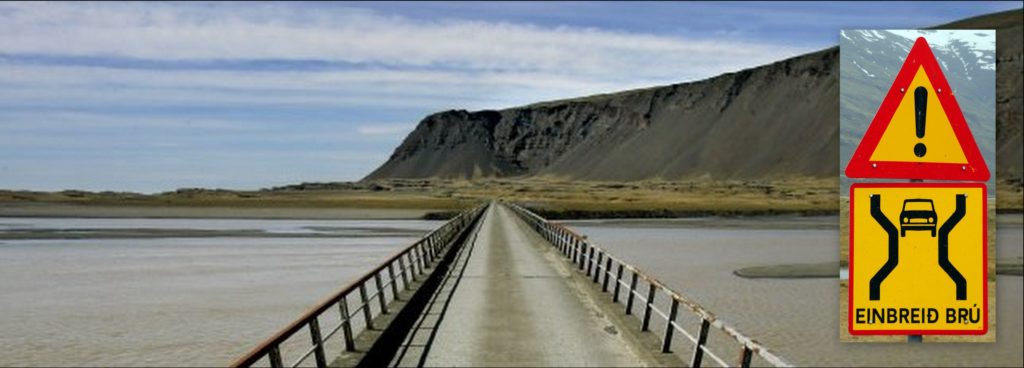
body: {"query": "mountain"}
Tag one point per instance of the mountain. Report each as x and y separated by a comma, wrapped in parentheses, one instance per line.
(776, 120)
(1009, 28)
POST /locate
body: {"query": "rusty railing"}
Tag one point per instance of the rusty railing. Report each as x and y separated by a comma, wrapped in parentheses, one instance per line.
(371, 289)
(595, 263)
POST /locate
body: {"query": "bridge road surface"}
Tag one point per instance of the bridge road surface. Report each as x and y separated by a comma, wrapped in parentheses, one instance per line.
(516, 305)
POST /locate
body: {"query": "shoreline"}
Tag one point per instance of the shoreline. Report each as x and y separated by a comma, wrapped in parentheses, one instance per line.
(666, 213)
(439, 199)
(276, 211)
(164, 233)
(829, 270)
(60, 210)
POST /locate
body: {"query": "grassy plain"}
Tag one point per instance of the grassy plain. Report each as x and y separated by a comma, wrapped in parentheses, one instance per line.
(555, 198)
(552, 198)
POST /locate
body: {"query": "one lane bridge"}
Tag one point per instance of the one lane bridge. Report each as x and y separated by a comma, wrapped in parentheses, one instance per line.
(500, 286)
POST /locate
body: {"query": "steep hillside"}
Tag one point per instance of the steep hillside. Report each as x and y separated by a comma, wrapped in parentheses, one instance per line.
(776, 120)
(1009, 28)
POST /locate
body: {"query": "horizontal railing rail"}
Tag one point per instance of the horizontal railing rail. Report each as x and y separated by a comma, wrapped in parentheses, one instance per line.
(372, 288)
(595, 262)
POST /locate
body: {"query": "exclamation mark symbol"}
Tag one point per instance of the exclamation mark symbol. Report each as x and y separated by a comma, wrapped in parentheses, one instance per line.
(920, 107)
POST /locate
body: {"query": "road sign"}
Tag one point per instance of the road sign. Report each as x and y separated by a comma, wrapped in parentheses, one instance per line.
(918, 259)
(919, 131)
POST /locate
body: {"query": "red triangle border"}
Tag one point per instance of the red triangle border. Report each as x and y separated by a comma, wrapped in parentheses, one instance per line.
(860, 165)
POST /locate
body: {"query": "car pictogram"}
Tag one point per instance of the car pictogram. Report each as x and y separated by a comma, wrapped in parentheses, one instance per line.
(918, 214)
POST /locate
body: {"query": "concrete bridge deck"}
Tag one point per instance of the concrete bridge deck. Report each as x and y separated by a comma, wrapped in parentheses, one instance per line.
(500, 286)
(519, 304)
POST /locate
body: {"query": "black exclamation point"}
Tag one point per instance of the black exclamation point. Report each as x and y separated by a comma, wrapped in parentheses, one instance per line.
(920, 106)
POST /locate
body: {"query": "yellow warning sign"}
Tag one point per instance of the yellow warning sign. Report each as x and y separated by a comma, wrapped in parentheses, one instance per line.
(918, 259)
(919, 130)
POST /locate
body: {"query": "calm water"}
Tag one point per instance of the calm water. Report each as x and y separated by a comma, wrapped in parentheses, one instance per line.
(171, 301)
(799, 319)
(204, 301)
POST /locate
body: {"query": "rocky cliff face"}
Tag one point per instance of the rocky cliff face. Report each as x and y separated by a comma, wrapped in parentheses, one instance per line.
(776, 120)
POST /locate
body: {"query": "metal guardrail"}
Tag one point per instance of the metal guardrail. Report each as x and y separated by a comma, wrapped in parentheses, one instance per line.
(596, 262)
(392, 274)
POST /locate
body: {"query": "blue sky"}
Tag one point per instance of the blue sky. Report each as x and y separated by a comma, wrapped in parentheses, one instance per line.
(156, 96)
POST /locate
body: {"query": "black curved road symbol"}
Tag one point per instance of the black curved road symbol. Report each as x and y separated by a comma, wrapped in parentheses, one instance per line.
(875, 285)
(958, 279)
(874, 288)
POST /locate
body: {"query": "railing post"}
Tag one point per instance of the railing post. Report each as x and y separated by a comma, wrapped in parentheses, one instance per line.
(428, 248)
(607, 274)
(425, 254)
(577, 252)
(618, 283)
(436, 247)
(565, 245)
(629, 297)
(346, 324)
(401, 268)
(666, 346)
(380, 293)
(422, 258)
(745, 356)
(412, 263)
(702, 338)
(649, 305)
(597, 266)
(590, 260)
(365, 306)
(275, 357)
(318, 346)
(583, 254)
(394, 283)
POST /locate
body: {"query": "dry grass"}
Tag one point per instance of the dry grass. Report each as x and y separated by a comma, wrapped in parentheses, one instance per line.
(792, 194)
(630, 199)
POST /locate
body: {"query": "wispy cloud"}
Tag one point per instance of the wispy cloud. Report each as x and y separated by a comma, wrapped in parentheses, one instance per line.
(282, 32)
(385, 129)
(247, 95)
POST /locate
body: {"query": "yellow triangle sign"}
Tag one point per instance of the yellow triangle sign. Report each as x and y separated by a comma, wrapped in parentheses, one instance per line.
(919, 131)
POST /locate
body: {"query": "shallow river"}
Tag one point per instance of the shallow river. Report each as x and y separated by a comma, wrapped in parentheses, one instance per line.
(205, 300)
(172, 301)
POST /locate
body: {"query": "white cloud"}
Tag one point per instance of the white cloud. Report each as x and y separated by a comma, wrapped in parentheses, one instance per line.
(134, 121)
(287, 32)
(427, 90)
(384, 129)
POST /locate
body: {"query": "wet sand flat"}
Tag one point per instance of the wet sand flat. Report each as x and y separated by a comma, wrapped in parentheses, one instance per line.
(173, 301)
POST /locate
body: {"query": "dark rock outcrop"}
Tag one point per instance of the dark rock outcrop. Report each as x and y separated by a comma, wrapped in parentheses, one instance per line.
(775, 120)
